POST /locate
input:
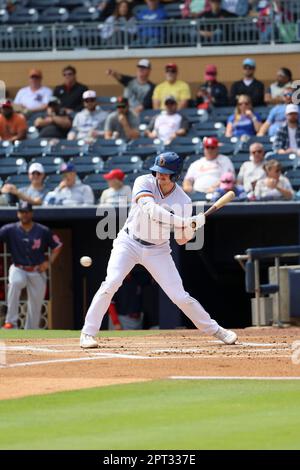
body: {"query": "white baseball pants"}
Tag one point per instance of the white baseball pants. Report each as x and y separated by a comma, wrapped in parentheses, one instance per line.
(158, 261)
(35, 284)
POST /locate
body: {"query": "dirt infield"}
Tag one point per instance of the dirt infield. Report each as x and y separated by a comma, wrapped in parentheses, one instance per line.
(38, 366)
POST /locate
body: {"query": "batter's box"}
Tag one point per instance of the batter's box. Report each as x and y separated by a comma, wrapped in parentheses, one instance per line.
(3, 359)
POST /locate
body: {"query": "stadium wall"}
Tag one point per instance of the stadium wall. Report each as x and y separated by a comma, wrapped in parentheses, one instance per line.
(92, 71)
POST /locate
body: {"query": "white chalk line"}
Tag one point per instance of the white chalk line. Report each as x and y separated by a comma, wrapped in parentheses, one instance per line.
(220, 377)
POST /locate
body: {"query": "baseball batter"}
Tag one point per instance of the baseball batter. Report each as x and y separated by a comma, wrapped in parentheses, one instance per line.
(158, 205)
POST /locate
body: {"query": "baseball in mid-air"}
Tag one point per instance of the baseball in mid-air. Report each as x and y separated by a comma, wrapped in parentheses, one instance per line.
(85, 261)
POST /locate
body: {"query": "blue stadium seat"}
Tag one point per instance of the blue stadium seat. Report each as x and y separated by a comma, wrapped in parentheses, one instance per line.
(82, 14)
(4, 17)
(173, 10)
(131, 177)
(18, 180)
(125, 158)
(126, 167)
(53, 180)
(286, 161)
(54, 15)
(41, 5)
(147, 115)
(23, 16)
(197, 196)
(70, 3)
(294, 177)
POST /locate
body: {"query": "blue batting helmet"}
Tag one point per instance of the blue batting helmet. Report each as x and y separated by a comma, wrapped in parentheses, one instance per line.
(168, 163)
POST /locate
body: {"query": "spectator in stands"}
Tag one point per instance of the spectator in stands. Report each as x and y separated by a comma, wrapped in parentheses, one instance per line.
(71, 91)
(204, 174)
(118, 24)
(193, 8)
(88, 124)
(211, 92)
(171, 87)
(287, 138)
(34, 97)
(13, 126)
(277, 117)
(138, 89)
(228, 183)
(237, 7)
(106, 8)
(274, 186)
(214, 32)
(35, 193)
(122, 123)
(117, 193)
(244, 121)
(56, 123)
(169, 124)
(71, 191)
(275, 93)
(249, 85)
(151, 34)
(252, 170)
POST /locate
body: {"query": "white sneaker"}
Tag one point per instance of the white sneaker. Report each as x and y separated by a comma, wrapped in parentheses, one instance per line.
(227, 336)
(88, 341)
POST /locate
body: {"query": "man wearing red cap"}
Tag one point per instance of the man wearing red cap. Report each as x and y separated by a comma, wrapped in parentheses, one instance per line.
(171, 87)
(13, 126)
(204, 174)
(34, 97)
(211, 92)
(117, 193)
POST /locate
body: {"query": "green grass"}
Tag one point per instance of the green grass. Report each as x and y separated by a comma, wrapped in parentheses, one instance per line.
(158, 415)
(56, 334)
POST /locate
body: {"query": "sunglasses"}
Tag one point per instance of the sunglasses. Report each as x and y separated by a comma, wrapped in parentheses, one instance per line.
(226, 181)
(243, 102)
(121, 105)
(68, 74)
(211, 148)
(35, 76)
(37, 173)
(288, 94)
(171, 71)
(90, 100)
(248, 67)
(257, 151)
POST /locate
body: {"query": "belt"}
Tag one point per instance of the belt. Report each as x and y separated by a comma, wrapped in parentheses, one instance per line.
(142, 242)
(29, 269)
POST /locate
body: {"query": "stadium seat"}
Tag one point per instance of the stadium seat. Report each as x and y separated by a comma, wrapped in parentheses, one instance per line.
(4, 17)
(197, 196)
(54, 15)
(41, 5)
(82, 14)
(131, 177)
(53, 180)
(173, 10)
(18, 180)
(287, 161)
(294, 177)
(125, 167)
(125, 158)
(23, 16)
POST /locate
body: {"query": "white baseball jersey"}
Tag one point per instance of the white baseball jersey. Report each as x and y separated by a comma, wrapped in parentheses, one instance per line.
(140, 225)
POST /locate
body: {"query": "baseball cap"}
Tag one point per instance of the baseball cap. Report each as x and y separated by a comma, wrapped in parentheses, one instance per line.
(210, 142)
(210, 72)
(171, 66)
(6, 104)
(67, 167)
(115, 174)
(170, 99)
(122, 102)
(144, 63)
(249, 62)
(35, 73)
(54, 100)
(89, 94)
(24, 206)
(36, 167)
(227, 180)
(291, 108)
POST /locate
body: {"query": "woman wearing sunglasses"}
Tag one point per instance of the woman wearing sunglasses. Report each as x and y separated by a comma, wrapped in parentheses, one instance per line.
(274, 186)
(244, 121)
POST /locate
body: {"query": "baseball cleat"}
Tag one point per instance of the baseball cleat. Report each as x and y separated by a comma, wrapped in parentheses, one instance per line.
(88, 341)
(227, 336)
(8, 326)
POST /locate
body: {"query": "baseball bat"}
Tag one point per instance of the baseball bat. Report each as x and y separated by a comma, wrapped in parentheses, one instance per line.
(220, 203)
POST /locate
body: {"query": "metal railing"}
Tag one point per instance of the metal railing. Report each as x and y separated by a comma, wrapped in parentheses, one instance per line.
(163, 34)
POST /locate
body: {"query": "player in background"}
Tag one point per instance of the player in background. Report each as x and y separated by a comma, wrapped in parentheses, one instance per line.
(159, 204)
(27, 242)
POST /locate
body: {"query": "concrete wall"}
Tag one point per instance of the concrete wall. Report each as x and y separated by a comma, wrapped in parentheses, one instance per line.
(92, 72)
